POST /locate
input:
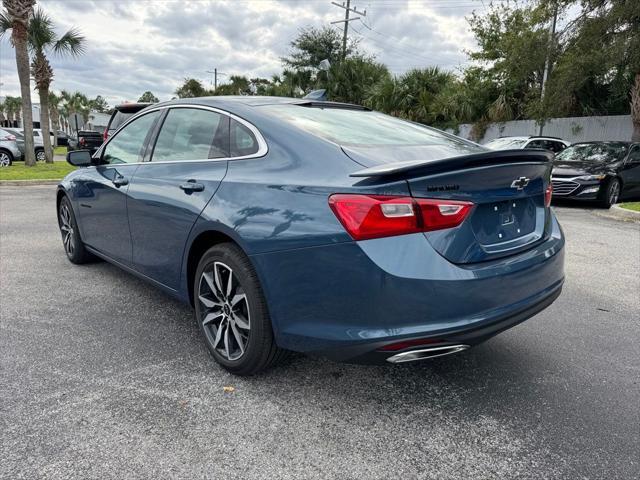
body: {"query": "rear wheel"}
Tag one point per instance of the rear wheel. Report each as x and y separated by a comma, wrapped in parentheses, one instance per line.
(73, 246)
(6, 159)
(231, 312)
(40, 156)
(611, 193)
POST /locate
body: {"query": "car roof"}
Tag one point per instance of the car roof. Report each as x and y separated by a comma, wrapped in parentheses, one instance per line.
(258, 101)
(135, 107)
(603, 142)
(529, 137)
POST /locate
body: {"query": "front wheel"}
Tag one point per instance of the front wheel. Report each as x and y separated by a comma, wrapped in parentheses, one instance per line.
(73, 246)
(231, 312)
(611, 193)
(40, 156)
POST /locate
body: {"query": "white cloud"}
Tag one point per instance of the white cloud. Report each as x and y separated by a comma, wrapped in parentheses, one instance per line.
(133, 46)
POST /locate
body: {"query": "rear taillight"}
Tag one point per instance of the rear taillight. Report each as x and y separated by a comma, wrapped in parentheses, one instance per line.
(548, 193)
(375, 216)
(105, 135)
(8, 138)
(82, 141)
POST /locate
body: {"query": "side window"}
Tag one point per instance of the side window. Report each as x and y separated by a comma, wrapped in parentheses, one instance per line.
(126, 146)
(634, 156)
(243, 141)
(192, 134)
(536, 144)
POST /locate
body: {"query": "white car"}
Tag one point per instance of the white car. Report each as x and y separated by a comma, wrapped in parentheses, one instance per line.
(38, 142)
(553, 144)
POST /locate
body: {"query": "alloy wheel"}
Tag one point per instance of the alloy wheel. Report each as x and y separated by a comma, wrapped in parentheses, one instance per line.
(614, 192)
(66, 228)
(225, 315)
(5, 161)
(40, 157)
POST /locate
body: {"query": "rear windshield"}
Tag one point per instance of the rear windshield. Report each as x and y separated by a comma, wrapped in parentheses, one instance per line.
(359, 127)
(118, 119)
(505, 143)
(594, 152)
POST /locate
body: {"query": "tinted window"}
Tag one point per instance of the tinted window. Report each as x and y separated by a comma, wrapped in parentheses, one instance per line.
(126, 146)
(360, 127)
(634, 156)
(243, 141)
(118, 119)
(192, 134)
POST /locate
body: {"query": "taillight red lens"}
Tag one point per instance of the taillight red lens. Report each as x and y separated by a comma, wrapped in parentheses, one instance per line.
(376, 216)
(548, 193)
(82, 140)
(105, 135)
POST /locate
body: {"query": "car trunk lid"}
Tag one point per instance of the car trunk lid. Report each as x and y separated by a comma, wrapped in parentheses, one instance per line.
(506, 187)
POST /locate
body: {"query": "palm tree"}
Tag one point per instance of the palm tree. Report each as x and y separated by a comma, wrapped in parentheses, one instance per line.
(75, 103)
(42, 40)
(12, 106)
(54, 114)
(16, 18)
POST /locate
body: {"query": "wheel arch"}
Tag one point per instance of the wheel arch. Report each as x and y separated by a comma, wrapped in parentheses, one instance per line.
(8, 152)
(200, 244)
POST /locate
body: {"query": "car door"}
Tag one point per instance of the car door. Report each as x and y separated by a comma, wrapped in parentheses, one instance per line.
(102, 192)
(169, 190)
(630, 173)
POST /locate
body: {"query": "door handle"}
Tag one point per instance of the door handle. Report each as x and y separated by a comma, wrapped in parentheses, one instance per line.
(120, 182)
(191, 186)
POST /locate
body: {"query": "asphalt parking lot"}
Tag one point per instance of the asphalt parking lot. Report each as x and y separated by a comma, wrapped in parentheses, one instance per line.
(101, 375)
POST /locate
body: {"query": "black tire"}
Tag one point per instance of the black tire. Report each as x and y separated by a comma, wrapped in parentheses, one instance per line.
(71, 241)
(240, 350)
(40, 156)
(610, 194)
(6, 158)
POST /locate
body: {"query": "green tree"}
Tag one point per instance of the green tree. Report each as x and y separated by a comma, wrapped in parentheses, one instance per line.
(351, 80)
(237, 85)
(192, 88)
(16, 18)
(99, 104)
(596, 59)
(75, 103)
(148, 97)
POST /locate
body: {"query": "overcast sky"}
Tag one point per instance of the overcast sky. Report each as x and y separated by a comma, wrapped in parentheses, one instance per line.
(138, 45)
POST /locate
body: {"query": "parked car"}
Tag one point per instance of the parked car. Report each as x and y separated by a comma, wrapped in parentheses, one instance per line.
(62, 138)
(37, 142)
(552, 144)
(605, 172)
(9, 150)
(85, 140)
(319, 227)
(121, 113)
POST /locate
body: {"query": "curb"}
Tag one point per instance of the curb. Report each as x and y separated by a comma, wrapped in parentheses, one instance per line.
(620, 214)
(625, 213)
(21, 183)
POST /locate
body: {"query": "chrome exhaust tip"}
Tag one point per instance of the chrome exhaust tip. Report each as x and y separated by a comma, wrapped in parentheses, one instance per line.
(425, 353)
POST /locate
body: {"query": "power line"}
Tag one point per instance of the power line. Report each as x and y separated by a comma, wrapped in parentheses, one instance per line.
(347, 10)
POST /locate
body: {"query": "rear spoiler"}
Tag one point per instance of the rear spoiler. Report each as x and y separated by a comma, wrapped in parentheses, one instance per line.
(448, 164)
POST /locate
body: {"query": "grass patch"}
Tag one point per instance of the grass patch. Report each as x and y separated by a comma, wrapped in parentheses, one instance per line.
(635, 206)
(42, 171)
(60, 150)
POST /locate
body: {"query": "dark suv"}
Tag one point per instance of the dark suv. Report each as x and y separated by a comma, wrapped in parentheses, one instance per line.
(120, 115)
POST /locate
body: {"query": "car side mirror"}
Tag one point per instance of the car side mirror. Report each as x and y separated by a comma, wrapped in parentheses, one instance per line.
(79, 158)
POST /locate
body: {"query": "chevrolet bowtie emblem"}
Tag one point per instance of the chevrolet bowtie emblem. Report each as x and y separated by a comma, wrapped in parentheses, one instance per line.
(520, 183)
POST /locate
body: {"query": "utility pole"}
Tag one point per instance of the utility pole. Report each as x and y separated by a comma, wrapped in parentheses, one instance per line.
(547, 63)
(347, 9)
(215, 77)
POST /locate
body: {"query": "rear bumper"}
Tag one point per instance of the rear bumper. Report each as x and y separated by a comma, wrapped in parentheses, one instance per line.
(369, 353)
(344, 301)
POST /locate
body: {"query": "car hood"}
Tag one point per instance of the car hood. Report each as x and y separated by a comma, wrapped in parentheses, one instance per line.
(583, 168)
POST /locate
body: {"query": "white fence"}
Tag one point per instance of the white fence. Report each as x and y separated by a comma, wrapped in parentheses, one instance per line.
(572, 129)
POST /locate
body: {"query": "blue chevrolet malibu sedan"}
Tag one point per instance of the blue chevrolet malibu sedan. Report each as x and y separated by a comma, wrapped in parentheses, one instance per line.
(318, 227)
